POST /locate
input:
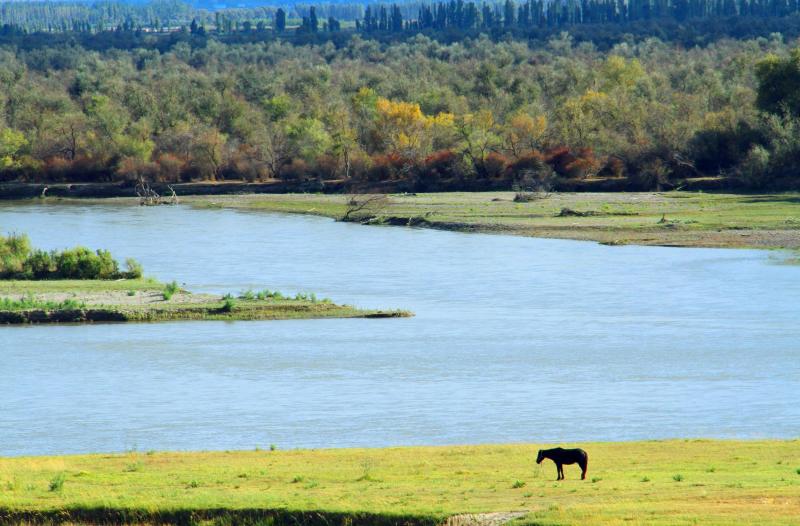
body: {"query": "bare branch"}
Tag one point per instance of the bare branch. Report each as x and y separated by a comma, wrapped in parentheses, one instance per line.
(356, 204)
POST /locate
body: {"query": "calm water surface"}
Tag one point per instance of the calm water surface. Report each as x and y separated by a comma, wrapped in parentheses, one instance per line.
(515, 339)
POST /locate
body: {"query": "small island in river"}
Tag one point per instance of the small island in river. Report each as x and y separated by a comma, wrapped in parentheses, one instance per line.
(82, 286)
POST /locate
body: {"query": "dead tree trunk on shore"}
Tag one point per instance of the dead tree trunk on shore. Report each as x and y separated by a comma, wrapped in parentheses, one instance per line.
(147, 196)
(364, 205)
(173, 199)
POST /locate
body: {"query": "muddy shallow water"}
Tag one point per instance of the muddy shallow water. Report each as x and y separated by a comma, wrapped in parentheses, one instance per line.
(514, 339)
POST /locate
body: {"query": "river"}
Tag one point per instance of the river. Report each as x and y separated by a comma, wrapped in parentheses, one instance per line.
(514, 340)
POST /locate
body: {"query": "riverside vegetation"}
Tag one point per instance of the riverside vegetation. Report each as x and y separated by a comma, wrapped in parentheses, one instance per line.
(670, 218)
(19, 260)
(676, 482)
(477, 110)
(78, 285)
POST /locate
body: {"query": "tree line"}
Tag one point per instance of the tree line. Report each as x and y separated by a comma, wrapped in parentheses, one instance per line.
(402, 17)
(509, 15)
(162, 23)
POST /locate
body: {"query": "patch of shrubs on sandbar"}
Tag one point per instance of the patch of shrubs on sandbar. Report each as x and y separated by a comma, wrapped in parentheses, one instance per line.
(29, 302)
(262, 295)
(19, 260)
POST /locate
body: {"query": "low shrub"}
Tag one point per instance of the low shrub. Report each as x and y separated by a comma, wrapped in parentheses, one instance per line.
(269, 295)
(170, 289)
(247, 295)
(134, 269)
(302, 296)
(228, 305)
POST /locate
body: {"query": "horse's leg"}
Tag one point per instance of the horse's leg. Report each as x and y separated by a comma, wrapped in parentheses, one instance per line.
(560, 467)
(584, 467)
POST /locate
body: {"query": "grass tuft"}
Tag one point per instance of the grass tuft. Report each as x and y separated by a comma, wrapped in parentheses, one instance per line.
(134, 466)
(366, 471)
(57, 483)
(170, 289)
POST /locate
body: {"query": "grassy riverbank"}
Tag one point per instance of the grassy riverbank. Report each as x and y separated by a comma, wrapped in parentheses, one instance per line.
(654, 482)
(671, 218)
(142, 300)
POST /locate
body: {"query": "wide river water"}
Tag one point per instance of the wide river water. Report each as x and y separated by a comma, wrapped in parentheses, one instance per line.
(514, 340)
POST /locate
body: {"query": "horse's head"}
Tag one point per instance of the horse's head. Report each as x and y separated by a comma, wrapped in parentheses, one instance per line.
(540, 456)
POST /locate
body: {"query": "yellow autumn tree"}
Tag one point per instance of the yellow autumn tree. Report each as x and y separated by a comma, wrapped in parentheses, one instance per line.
(405, 129)
(11, 141)
(443, 130)
(524, 133)
(402, 124)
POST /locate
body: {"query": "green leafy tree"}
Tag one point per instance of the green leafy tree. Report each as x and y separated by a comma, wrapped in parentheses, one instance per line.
(779, 83)
(310, 138)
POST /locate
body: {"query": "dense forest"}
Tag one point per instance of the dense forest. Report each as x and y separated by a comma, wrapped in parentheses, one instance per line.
(480, 111)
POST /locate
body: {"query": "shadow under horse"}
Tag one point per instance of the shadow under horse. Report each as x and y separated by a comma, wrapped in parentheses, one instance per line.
(563, 456)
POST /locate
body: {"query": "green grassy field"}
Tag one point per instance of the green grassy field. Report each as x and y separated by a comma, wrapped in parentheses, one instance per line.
(670, 218)
(144, 300)
(677, 482)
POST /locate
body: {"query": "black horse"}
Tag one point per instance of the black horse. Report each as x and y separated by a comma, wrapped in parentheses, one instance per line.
(563, 456)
